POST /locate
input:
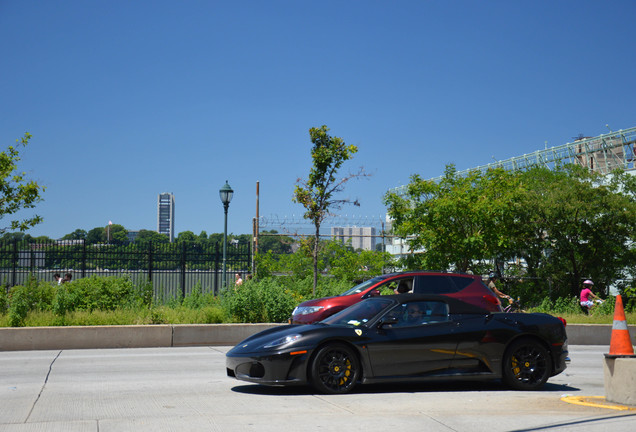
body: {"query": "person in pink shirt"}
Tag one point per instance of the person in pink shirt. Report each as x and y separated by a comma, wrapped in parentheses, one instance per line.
(587, 295)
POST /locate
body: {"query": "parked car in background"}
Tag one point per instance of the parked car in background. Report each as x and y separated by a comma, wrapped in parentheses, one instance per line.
(467, 287)
(406, 337)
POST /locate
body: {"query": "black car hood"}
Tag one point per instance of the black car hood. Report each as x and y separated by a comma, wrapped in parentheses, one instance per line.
(309, 333)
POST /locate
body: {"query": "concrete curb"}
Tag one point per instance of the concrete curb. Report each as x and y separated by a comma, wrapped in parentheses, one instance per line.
(145, 336)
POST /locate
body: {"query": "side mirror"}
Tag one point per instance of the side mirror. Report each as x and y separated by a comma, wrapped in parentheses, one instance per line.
(372, 293)
(387, 321)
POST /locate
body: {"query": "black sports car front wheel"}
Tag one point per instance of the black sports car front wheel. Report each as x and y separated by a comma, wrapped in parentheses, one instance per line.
(527, 365)
(335, 369)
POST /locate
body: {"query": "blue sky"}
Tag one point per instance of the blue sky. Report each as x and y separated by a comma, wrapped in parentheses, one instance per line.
(127, 99)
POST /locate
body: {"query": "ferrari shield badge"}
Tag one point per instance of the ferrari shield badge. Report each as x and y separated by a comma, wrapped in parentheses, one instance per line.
(358, 332)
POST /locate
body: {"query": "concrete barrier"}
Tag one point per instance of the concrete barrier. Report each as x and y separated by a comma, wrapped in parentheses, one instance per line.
(589, 334)
(143, 336)
(215, 334)
(620, 379)
(54, 338)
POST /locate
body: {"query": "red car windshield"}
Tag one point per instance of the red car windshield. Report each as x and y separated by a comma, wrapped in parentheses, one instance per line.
(363, 286)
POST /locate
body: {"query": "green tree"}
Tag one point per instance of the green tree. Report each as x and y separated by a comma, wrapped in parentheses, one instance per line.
(460, 221)
(16, 192)
(78, 234)
(346, 264)
(116, 234)
(318, 193)
(96, 235)
(579, 225)
(186, 236)
(566, 223)
(277, 244)
(215, 238)
(146, 236)
(17, 236)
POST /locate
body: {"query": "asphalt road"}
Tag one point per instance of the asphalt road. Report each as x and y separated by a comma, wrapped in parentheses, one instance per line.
(185, 389)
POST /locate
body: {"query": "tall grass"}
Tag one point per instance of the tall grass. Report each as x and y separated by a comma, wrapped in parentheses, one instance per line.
(117, 301)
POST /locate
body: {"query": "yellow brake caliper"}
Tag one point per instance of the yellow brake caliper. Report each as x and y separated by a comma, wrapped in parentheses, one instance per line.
(515, 366)
(347, 373)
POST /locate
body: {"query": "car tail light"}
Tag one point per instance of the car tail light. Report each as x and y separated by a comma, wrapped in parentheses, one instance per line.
(492, 299)
(563, 321)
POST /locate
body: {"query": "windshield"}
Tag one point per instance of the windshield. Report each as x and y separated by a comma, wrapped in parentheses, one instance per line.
(359, 313)
(361, 287)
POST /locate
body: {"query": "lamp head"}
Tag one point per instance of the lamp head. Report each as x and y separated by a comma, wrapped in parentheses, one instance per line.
(226, 194)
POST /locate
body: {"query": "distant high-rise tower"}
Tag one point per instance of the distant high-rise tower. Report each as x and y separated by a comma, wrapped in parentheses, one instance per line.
(165, 215)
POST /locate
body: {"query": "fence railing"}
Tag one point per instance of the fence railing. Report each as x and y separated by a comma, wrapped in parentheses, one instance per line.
(173, 268)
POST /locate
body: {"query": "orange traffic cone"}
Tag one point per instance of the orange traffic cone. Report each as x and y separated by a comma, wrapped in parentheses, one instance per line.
(620, 344)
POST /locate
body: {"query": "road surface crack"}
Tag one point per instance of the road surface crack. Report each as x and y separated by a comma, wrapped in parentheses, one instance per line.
(43, 386)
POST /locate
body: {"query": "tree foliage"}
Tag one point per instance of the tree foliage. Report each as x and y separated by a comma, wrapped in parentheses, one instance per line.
(272, 241)
(16, 191)
(146, 236)
(318, 193)
(564, 225)
(78, 234)
(459, 221)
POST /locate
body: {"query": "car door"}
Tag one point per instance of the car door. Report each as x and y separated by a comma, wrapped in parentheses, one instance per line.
(481, 342)
(413, 348)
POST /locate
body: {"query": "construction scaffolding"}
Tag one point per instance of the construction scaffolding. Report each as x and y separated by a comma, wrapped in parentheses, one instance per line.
(602, 154)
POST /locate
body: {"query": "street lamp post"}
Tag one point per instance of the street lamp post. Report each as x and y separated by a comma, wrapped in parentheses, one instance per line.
(226, 194)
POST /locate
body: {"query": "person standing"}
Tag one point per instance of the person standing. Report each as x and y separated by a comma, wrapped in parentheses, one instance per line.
(239, 280)
(587, 295)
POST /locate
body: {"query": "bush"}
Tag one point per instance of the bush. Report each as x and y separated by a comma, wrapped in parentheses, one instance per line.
(258, 301)
(19, 307)
(4, 299)
(197, 300)
(567, 305)
(100, 293)
(628, 294)
(605, 308)
(545, 306)
(36, 296)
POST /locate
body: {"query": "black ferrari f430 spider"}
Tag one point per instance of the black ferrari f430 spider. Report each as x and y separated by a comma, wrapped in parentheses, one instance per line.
(405, 337)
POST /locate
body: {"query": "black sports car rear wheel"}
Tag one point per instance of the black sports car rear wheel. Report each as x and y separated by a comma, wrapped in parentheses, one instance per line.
(335, 369)
(527, 365)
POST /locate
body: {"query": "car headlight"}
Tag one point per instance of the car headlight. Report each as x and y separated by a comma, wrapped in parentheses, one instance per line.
(306, 310)
(282, 341)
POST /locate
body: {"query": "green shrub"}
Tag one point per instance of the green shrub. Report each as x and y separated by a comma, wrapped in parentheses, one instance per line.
(628, 294)
(545, 306)
(63, 302)
(4, 299)
(145, 293)
(605, 308)
(34, 296)
(19, 306)
(567, 305)
(258, 301)
(197, 300)
(102, 293)
(157, 316)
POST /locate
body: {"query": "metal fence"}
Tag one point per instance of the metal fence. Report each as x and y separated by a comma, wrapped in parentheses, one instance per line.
(174, 269)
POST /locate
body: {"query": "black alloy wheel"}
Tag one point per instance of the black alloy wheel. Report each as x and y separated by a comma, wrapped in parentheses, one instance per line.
(335, 369)
(527, 365)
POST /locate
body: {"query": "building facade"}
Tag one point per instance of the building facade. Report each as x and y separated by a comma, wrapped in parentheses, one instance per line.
(165, 215)
(360, 237)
